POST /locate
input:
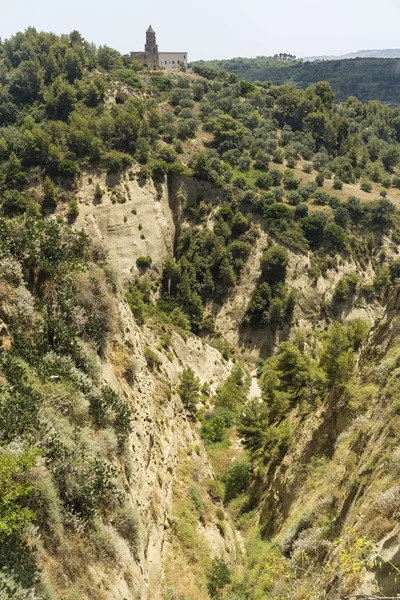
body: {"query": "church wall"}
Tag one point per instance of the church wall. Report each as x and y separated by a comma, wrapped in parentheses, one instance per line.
(172, 60)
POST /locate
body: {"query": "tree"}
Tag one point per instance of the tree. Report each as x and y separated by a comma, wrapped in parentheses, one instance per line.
(325, 92)
(313, 227)
(108, 58)
(237, 479)
(189, 391)
(390, 157)
(274, 263)
(253, 425)
(60, 99)
(257, 311)
(49, 194)
(337, 358)
(289, 180)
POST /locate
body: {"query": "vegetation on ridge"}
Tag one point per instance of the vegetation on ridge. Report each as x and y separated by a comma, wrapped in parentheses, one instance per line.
(364, 78)
(269, 159)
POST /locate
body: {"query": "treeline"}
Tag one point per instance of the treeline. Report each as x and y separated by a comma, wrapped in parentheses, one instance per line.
(364, 78)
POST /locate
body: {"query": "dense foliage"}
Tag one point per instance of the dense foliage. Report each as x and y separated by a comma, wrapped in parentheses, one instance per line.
(365, 78)
(264, 155)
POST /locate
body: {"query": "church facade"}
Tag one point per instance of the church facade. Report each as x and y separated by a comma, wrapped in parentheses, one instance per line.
(154, 59)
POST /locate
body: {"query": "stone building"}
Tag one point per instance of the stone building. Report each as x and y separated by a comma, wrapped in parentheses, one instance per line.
(154, 59)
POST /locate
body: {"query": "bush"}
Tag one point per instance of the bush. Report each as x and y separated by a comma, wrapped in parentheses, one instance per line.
(101, 542)
(143, 262)
(274, 264)
(237, 479)
(73, 209)
(220, 577)
(389, 502)
(366, 186)
(289, 181)
(264, 181)
(98, 192)
(116, 162)
(346, 288)
(127, 523)
(216, 490)
(152, 359)
(14, 490)
(197, 501)
(214, 430)
(337, 184)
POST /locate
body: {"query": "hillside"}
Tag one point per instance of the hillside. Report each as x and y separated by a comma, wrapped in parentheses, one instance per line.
(364, 78)
(389, 53)
(198, 333)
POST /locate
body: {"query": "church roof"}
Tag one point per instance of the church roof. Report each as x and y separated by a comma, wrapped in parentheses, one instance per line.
(150, 30)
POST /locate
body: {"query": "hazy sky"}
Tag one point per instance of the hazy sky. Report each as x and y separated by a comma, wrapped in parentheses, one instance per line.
(217, 28)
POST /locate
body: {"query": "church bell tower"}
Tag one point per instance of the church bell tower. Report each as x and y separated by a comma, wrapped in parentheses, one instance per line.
(151, 43)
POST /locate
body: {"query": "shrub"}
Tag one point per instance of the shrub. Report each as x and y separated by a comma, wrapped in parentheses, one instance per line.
(116, 162)
(307, 167)
(44, 500)
(101, 542)
(73, 209)
(98, 192)
(197, 501)
(50, 199)
(337, 184)
(214, 430)
(310, 545)
(143, 262)
(127, 523)
(216, 490)
(274, 264)
(346, 288)
(289, 181)
(14, 490)
(389, 502)
(237, 479)
(220, 577)
(264, 181)
(366, 186)
(152, 359)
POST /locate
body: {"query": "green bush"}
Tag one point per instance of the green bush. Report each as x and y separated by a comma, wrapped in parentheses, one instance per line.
(237, 479)
(220, 576)
(346, 288)
(366, 186)
(143, 262)
(197, 501)
(15, 516)
(98, 192)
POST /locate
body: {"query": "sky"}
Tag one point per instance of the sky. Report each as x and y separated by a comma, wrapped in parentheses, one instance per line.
(217, 28)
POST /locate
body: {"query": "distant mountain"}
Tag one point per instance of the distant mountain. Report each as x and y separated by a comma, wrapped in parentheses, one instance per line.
(389, 53)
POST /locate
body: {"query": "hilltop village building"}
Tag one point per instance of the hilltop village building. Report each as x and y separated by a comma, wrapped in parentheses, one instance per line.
(154, 59)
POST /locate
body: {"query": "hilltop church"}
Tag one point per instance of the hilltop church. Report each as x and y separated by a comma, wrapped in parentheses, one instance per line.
(154, 59)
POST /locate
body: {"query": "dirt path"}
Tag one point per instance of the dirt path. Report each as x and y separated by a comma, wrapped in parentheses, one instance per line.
(255, 390)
